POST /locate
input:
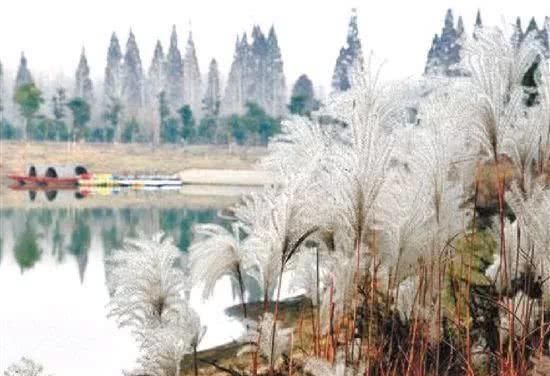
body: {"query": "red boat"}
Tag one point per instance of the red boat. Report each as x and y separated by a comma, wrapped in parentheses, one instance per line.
(42, 181)
(50, 176)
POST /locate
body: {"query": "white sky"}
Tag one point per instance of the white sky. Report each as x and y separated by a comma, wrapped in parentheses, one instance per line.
(311, 32)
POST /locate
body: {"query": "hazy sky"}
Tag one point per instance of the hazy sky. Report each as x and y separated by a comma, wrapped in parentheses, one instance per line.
(52, 32)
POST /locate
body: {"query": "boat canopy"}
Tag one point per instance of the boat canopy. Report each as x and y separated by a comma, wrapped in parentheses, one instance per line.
(57, 171)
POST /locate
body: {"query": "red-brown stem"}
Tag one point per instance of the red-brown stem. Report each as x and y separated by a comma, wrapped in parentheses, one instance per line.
(314, 331)
(275, 316)
(331, 313)
(255, 356)
(301, 325)
(353, 323)
(290, 356)
(346, 334)
(415, 323)
(241, 289)
(354, 299)
(266, 299)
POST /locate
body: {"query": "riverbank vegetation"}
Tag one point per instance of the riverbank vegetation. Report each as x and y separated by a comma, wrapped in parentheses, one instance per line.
(379, 226)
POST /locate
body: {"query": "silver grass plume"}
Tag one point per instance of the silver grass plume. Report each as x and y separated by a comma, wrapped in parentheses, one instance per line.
(278, 221)
(258, 337)
(341, 286)
(435, 164)
(322, 367)
(406, 218)
(529, 139)
(543, 110)
(534, 222)
(305, 273)
(406, 297)
(300, 154)
(147, 283)
(25, 367)
(255, 218)
(494, 92)
(216, 252)
(522, 145)
(301, 143)
(357, 166)
(164, 348)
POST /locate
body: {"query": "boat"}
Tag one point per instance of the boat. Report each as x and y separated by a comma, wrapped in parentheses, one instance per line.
(50, 176)
(147, 181)
(73, 176)
(97, 180)
(134, 181)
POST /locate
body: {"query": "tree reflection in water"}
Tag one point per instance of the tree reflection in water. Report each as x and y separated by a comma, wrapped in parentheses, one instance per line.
(27, 250)
(69, 231)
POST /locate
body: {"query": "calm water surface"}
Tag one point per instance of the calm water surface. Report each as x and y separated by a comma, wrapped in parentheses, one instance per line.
(54, 289)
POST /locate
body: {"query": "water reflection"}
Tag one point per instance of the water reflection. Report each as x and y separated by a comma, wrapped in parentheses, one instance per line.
(52, 271)
(70, 194)
(52, 195)
(68, 231)
(80, 244)
(26, 249)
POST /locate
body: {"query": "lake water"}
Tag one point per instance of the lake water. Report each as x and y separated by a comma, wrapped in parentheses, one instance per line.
(54, 289)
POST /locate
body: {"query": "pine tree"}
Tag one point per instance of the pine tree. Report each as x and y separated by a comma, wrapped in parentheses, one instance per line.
(276, 88)
(24, 76)
(539, 35)
(174, 73)
(350, 57)
(211, 106)
(156, 76)
(83, 83)
(460, 27)
(302, 100)
(444, 54)
(132, 78)
(211, 101)
(59, 130)
(81, 116)
(532, 27)
(478, 25)
(256, 80)
(188, 126)
(256, 76)
(192, 93)
(450, 46)
(433, 64)
(234, 96)
(29, 99)
(59, 102)
(517, 36)
(113, 71)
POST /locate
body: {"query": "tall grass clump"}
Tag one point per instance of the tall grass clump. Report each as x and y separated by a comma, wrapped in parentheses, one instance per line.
(409, 260)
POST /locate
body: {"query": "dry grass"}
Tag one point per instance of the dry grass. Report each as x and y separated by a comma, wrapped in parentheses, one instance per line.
(487, 178)
(131, 158)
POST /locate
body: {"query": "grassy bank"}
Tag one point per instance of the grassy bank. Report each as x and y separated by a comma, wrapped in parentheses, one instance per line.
(121, 158)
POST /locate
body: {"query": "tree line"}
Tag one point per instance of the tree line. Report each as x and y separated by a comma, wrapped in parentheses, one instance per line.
(71, 120)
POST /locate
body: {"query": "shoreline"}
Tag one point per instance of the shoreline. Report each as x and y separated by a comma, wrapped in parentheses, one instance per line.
(165, 159)
(189, 196)
(214, 176)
